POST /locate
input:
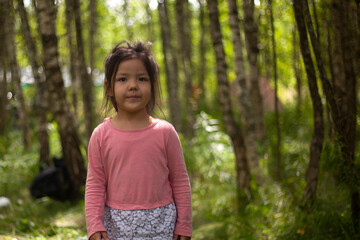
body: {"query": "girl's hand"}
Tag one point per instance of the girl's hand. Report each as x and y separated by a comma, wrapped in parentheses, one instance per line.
(99, 236)
(177, 237)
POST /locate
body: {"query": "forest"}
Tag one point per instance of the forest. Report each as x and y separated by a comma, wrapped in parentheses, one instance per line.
(263, 94)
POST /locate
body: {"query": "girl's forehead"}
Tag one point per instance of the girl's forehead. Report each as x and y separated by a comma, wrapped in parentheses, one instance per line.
(131, 65)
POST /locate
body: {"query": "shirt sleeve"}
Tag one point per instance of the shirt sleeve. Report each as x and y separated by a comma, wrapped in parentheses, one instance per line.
(180, 184)
(95, 187)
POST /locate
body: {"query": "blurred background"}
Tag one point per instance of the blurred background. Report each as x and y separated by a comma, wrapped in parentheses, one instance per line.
(264, 95)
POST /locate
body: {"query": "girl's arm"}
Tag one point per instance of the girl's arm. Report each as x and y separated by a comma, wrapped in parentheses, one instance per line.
(180, 185)
(95, 188)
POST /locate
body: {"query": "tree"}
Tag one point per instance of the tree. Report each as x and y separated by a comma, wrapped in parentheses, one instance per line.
(72, 54)
(93, 26)
(251, 39)
(70, 141)
(183, 21)
(3, 80)
(247, 116)
(41, 91)
(171, 67)
(202, 51)
(86, 81)
(127, 20)
(318, 132)
(15, 73)
(277, 121)
(235, 133)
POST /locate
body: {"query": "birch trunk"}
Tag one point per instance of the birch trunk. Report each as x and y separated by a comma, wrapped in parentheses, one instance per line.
(69, 20)
(41, 89)
(235, 133)
(247, 116)
(318, 134)
(86, 81)
(70, 141)
(184, 44)
(251, 39)
(170, 67)
(202, 52)
(3, 81)
(15, 74)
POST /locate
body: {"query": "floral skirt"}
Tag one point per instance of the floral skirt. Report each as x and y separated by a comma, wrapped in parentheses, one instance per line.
(154, 224)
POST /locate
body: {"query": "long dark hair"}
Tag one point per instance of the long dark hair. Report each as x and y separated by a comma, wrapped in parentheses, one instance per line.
(126, 51)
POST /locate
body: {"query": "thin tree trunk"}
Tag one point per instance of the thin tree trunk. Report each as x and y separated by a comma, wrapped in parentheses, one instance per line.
(297, 71)
(243, 93)
(86, 81)
(128, 24)
(276, 101)
(93, 26)
(170, 67)
(251, 38)
(70, 141)
(149, 21)
(346, 89)
(73, 56)
(235, 133)
(318, 134)
(3, 81)
(15, 74)
(184, 42)
(41, 90)
(202, 52)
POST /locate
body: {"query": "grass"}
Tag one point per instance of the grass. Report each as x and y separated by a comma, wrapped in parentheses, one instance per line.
(275, 210)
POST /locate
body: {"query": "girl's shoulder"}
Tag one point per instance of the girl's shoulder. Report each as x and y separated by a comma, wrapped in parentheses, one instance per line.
(163, 124)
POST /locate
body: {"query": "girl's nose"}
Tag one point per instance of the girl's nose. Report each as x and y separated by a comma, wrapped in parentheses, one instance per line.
(133, 84)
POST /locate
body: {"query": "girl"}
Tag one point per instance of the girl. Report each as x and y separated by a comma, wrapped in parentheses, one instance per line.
(137, 185)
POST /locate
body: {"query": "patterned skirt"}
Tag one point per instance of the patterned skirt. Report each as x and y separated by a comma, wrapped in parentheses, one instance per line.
(147, 224)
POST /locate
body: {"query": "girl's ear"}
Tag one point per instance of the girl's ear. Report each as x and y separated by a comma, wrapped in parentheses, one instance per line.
(108, 88)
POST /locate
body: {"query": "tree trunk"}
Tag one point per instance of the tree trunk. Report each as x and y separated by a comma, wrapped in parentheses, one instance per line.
(318, 135)
(277, 121)
(202, 52)
(128, 24)
(183, 21)
(251, 38)
(3, 81)
(345, 67)
(235, 133)
(297, 72)
(170, 67)
(86, 81)
(41, 90)
(149, 22)
(15, 74)
(70, 141)
(73, 56)
(243, 92)
(93, 26)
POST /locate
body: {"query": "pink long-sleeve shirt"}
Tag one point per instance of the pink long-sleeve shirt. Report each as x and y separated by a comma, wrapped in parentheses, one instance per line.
(136, 169)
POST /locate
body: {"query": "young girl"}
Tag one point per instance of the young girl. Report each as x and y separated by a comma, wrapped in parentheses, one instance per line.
(137, 185)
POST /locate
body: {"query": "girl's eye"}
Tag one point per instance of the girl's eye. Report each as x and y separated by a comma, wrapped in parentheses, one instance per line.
(143, 79)
(122, 79)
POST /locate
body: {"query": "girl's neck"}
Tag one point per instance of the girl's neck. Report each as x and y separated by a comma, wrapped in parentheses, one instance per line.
(131, 122)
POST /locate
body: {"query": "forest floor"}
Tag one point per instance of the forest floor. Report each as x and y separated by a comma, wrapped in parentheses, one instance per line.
(275, 210)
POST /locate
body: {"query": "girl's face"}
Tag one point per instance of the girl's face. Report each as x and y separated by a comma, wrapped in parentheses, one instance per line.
(132, 87)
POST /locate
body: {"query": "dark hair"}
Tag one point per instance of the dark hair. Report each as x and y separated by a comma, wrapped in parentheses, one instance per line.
(126, 51)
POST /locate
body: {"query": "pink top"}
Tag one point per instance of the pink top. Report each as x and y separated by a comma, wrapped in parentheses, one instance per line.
(136, 169)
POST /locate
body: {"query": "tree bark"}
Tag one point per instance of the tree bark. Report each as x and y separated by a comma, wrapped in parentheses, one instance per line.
(15, 74)
(86, 81)
(277, 120)
(149, 22)
(93, 26)
(202, 53)
(318, 134)
(345, 91)
(235, 133)
(247, 116)
(297, 71)
(128, 24)
(69, 20)
(183, 21)
(3, 81)
(251, 39)
(41, 89)
(171, 67)
(70, 141)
